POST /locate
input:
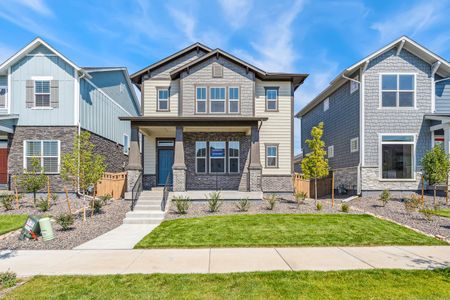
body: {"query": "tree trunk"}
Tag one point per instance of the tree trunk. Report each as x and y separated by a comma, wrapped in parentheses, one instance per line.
(434, 195)
(84, 206)
(315, 190)
(34, 198)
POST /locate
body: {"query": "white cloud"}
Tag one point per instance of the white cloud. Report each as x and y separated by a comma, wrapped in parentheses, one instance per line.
(185, 22)
(236, 11)
(38, 6)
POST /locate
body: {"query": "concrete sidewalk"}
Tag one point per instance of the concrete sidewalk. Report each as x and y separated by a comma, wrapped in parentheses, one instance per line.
(221, 260)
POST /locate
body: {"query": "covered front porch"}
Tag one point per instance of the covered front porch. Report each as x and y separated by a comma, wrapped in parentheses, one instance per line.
(196, 153)
(440, 130)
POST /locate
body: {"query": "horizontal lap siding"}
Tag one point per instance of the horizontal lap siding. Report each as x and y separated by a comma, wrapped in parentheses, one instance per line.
(150, 96)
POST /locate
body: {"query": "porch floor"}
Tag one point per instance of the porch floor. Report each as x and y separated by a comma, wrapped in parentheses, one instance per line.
(225, 195)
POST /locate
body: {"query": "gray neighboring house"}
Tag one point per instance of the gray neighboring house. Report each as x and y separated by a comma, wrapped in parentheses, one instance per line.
(381, 115)
(46, 99)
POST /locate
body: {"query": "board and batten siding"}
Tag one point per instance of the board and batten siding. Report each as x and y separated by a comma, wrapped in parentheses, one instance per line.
(277, 129)
(41, 62)
(443, 96)
(100, 115)
(150, 88)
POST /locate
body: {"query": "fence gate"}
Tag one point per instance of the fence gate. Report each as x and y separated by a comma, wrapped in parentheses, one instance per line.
(307, 185)
(112, 184)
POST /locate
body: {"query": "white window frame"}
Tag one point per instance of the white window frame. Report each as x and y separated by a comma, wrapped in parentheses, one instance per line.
(234, 157)
(330, 151)
(126, 147)
(354, 86)
(5, 87)
(380, 155)
(218, 100)
(201, 157)
(166, 100)
(397, 91)
(271, 156)
(201, 100)
(41, 157)
(44, 79)
(234, 100)
(326, 104)
(224, 157)
(272, 100)
(356, 149)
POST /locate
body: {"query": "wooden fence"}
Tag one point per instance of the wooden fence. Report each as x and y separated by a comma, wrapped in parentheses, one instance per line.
(324, 186)
(112, 184)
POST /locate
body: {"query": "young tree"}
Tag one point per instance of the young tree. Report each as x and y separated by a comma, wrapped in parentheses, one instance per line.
(315, 165)
(436, 166)
(33, 180)
(82, 167)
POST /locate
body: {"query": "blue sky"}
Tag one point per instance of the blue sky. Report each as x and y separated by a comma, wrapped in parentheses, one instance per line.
(316, 37)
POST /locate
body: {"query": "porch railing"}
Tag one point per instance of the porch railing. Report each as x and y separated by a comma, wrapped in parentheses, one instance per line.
(166, 191)
(136, 191)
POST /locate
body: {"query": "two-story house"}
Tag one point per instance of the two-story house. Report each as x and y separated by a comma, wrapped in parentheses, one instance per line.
(381, 116)
(46, 99)
(211, 121)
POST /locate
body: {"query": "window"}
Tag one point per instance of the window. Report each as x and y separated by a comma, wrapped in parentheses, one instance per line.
(397, 156)
(233, 157)
(354, 86)
(397, 90)
(126, 144)
(200, 157)
(217, 100)
(272, 156)
(233, 99)
(326, 104)
(42, 93)
(201, 100)
(217, 157)
(271, 99)
(217, 71)
(330, 151)
(354, 147)
(46, 152)
(3, 96)
(163, 99)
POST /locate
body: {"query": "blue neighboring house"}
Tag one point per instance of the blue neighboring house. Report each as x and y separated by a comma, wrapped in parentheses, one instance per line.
(46, 99)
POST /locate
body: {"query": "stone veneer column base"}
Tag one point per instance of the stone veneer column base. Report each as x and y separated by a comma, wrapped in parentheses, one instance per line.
(132, 176)
(179, 180)
(254, 179)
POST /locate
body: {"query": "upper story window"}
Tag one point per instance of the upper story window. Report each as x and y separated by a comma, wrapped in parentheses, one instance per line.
(126, 144)
(354, 86)
(42, 93)
(326, 104)
(354, 144)
(398, 90)
(271, 99)
(200, 104)
(46, 153)
(163, 99)
(3, 96)
(330, 151)
(233, 99)
(271, 156)
(217, 95)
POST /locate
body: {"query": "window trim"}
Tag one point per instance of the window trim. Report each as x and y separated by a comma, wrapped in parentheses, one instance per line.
(380, 155)
(126, 150)
(205, 158)
(5, 87)
(41, 157)
(224, 157)
(229, 157)
(238, 99)
(397, 100)
(326, 104)
(328, 151)
(357, 145)
(277, 89)
(49, 106)
(158, 89)
(205, 100)
(266, 146)
(215, 100)
(354, 86)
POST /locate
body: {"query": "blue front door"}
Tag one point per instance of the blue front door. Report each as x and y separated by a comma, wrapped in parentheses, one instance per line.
(165, 162)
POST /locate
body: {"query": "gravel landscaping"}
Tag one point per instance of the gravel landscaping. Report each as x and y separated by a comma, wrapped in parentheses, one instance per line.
(111, 216)
(395, 210)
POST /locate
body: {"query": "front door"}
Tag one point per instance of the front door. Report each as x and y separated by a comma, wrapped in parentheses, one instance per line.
(3, 166)
(165, 162)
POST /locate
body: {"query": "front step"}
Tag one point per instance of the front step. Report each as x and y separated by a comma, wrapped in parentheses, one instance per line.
(145, 214)
(141, 221)
(141, 206)
(147, 209)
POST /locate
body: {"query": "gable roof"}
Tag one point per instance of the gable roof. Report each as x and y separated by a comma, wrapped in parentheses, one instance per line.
(404, 42)
(137, 76)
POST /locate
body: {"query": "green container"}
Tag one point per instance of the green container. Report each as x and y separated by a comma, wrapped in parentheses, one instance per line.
(30, 228)
(46, 229)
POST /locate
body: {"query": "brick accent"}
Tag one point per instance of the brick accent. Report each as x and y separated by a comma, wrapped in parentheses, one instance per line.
(179, 180)
(277, 184)
(115, 160)
(255, 179)
(347, 177)
(149, 181)
(132, 176)
(371, 182)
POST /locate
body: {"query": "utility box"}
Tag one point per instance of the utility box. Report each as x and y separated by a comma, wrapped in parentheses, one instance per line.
(46, 229)
(31, 228)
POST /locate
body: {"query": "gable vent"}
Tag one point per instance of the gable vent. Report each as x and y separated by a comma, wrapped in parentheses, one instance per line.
(217, 71)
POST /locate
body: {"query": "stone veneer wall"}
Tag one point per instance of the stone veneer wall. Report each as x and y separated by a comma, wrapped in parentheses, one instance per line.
(115, 160)
(277, 184)
(207, 181)
(149, 181)
(347, 177)
(371, 182)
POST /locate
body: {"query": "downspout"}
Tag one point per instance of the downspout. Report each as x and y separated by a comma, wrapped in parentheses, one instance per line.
(79, 132)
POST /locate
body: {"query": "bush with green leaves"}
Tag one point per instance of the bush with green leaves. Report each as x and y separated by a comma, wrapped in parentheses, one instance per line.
(7, 201)
(385, 196)
(243, 204)
(436, 166)
(44, 205)
(33, 180)
(412, 203)
(55, 198)
(345, 208)
(427, 213)
(96, 205)
(65, 221)
(319, 206)
(300, 197)
(105, 198)
(214, 201)
(271, 201)
(8, 279)
(182, 204)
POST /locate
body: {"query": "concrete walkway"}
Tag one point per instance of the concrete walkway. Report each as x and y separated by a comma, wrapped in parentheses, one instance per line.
(221, 260)
(123, 237)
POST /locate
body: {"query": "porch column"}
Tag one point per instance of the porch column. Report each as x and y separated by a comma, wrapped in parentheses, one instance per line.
(179, 166)
(255, 168)
(134, 167)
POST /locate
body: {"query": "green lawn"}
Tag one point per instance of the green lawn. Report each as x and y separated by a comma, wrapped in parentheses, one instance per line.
(281, 230)
(367, 284)
(441, 212)
(11, 222)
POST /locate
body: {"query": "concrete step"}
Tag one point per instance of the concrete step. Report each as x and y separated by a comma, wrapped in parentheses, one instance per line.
(159, 198)
(148, 202)
(141, 206)
(145, 214)
(141, 221)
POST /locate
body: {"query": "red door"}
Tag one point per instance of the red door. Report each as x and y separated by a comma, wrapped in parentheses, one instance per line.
(3, 166)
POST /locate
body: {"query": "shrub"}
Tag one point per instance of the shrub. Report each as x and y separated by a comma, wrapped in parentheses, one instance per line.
(8, 279)
(44, 205)
(271, 201)
(427, 213)
(243, 204)
(65, 221)
(412, 203)
(96, 204)
(182, 204)
(214, 201)
(300, 197)
(319, 206)
(7, 201)
(55, 198)
(345, 208)
(105, 198)
(385, 196)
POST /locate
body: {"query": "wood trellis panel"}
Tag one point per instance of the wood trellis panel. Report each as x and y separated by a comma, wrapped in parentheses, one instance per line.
(112, 184)
(306, 185)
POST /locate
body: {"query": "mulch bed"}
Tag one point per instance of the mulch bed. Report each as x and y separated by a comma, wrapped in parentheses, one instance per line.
(110, 217)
